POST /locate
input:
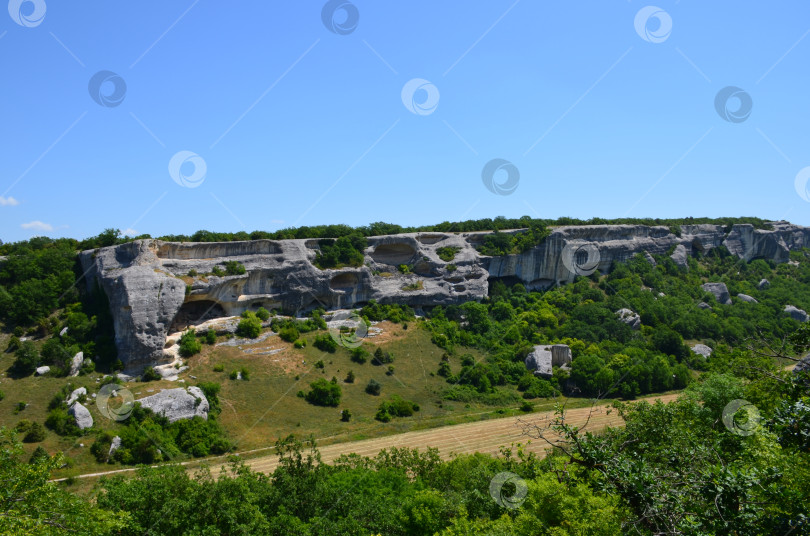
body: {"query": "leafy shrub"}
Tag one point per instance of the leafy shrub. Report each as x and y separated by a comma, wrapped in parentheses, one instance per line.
(299, 343)
(234, 268)
(319, 364)
(26, 359)
(289, 334)
(23, 426)
(526, 406)
(324, 393)
(350, 377)
(189, 345)
(325, 343)
(245, 373)
(234, 375)
(404, 269)
(150, 375)
(373, 387)
(219, 367)
(38, 456)
(13, 343)
(345, 251)
(382, 357)
(360, 355)
(35, 434)
(192, 273)
(249, 327)
(390, 371)
(395, 407)
(447, 253)
(210, 337)
(217, 271)
(20, 406)
(451, 267)
(345, 415)
(61, 423)
(263, 314)
(411, 287)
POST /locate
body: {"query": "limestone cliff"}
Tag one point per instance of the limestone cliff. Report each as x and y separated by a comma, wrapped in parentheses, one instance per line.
(146, 280)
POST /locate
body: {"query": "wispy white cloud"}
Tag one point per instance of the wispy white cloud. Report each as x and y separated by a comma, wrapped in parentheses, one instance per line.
(277, 221)
(37, 225)
(130, 232)
(8, 201)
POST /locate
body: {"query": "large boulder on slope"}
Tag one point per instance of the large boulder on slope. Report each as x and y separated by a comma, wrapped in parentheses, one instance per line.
(679, 256)
(176, 404)
(544, 357)
(81, 415)
(796, 313)
(719, 291)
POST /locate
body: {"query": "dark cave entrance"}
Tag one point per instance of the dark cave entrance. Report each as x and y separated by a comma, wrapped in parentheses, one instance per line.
(196, 312)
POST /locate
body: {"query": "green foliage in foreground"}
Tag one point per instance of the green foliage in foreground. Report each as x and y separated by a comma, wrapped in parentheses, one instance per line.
(672, 469)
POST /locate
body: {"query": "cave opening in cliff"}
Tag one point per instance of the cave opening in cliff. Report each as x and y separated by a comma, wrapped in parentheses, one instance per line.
(196, 312)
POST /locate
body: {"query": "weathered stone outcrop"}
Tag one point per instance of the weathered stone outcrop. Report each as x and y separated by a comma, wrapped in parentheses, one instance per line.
(796, 313)
(544, 357)
(176, 404)
(702, 349)
(629, 317)
(747, 298)
(680, 256)
(81, 415)
(150, 292)
(719, 291)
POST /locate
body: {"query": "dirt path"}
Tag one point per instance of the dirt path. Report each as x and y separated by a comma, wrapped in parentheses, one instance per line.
(484, 436)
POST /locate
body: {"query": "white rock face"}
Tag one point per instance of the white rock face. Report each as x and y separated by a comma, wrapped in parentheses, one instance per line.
(629, 317)
(541, 360)
(74, 396)
(649, 258)
(176, 404)
(115, 445)
(82, 416)
(680, 256)
(719, 290)
(148, 299)
(63, 332)
(704, 305)
(76, 364)
(702, 349)
(43, 370)
(747, 298)
(796, 313)
(763, 284)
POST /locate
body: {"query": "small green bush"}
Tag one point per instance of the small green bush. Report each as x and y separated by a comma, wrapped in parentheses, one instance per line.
(219, 367)
(289, 334)
(249, 327)
(38, 455)
(234, 374)
(210, 337)
(299, 343)
(319, 364)
(350, 377)
(189, 345)
(20, 406)
(360, 355)
(324, 393)
(192, 273)
(35, 434)
(373, 387)
(527, 406)
(234, 268)
(325, 343)
(382, 357)
(447, 253)
(396, 407)
(217, 271)
(150, 375)
(245, 373)
(263, 314)
(345, 415)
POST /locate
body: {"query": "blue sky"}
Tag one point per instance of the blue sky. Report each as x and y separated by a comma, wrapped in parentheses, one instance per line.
(296, 122)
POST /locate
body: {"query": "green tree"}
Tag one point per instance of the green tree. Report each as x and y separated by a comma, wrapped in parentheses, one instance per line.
(324, 393)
